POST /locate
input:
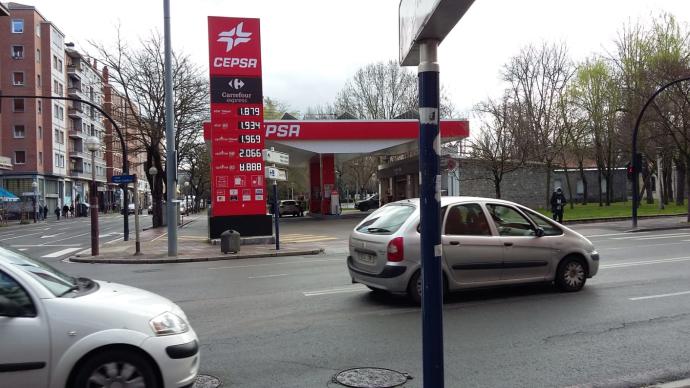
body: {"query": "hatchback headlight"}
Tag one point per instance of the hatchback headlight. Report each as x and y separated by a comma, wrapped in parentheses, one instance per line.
(168, 323)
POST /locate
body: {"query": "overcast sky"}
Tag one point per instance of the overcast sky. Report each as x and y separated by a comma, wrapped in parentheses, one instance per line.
(311, 47)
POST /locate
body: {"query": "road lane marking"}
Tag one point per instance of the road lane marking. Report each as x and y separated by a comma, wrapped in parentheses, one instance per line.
(603, 249)
(613, 234)
(20, 236)
(660, 295)
(267, 276)
(667, 235)
(340, 290)
(44, 245)
(645, 262)
(22, 249)
(276, 263)
(162, 235)
(62, 252)
(52, 235)
(116, 240)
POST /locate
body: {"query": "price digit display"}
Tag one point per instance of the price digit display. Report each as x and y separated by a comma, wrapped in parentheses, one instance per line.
(250, 153)
(250, 139)
(248, 111)
(250, 167)
(249, 125)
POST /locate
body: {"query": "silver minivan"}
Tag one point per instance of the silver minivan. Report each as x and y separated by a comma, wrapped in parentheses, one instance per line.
(486, 242)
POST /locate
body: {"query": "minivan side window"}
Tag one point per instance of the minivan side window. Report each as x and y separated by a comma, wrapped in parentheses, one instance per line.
(509, 221)
(466, 220)
(550, 228)
(13, 292)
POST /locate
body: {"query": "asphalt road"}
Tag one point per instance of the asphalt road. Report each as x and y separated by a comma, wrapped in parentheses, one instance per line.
(297, 321)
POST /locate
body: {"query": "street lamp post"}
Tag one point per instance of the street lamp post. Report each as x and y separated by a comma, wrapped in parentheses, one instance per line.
(153, 171)
(93, 144)
(186, 197)
(34, 185)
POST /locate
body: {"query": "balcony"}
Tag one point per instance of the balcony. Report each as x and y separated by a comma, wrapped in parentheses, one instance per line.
(74, 112)
(78, 154)
(74, 69)
(74, 92)
(78, 173)
(77, 133)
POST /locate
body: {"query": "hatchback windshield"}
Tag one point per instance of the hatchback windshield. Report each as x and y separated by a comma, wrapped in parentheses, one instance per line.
(55, 281)
(387, 219)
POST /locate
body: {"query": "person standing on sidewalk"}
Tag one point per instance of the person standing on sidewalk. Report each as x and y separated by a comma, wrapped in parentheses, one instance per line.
(57, 212)
(45, 212)
(558, 202)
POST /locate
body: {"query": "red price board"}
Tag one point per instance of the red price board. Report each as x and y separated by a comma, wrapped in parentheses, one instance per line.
(236, 135)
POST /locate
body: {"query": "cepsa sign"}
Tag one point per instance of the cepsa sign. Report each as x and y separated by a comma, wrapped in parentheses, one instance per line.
(237, 141)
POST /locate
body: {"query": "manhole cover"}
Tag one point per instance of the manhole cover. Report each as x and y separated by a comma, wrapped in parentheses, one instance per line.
(371, 378)
(207, 381)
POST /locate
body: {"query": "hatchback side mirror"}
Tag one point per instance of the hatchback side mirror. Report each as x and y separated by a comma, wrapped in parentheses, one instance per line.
(539, 232)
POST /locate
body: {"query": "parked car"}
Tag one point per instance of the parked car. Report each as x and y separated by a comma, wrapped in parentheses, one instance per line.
(289, 207)
(371, 202)
(62, 331)
(485, 242)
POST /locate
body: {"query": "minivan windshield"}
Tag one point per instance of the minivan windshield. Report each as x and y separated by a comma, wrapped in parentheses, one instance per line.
(55, 281)
(386, 220)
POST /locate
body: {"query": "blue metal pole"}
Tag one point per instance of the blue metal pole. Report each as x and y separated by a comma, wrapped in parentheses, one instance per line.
(430, 209)
(276, 213)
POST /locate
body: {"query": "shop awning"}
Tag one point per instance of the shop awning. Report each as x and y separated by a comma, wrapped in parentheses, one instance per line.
(6, 196)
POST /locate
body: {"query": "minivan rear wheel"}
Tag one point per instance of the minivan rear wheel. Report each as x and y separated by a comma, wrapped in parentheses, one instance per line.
(571, 274)
(414, 288)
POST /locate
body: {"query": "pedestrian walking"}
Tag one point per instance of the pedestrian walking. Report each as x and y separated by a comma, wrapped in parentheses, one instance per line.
(71, 210)
(45, 212)
(65, 210)
(558, 202)
(57, 212)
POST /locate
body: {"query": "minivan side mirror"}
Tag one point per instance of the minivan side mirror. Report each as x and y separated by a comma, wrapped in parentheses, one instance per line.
(539, 232)
(10, 308)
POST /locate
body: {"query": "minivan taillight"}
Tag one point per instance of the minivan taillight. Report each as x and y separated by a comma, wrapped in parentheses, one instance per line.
(395, 249)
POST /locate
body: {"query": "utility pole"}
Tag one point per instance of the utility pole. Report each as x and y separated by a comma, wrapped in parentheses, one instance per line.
(171, 152)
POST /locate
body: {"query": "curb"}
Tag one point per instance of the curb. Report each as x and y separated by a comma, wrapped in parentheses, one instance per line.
(615, 219)
(166, 260)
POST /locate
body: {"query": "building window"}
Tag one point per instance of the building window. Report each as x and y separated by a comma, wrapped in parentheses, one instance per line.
(39, 106)
(60, 64)
(38, 80)
(40, 157)
(55, 86)
(17, 52)
(40, 132)
(17, 26)
(19, 157)
(61, 89)
(38, 30)
(18, 105)
(59, 160)
(19, 131)
(59, 136)
(18, 78)
(38, 55)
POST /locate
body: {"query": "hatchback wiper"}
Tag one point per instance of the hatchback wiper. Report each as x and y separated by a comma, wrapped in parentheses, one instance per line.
(378, 230)
(78, 283)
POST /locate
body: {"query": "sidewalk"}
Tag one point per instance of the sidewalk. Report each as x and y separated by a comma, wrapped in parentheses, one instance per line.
(191, 247)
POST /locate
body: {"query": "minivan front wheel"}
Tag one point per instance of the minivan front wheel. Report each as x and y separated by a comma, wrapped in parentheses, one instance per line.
(571, 274)
(116, 368)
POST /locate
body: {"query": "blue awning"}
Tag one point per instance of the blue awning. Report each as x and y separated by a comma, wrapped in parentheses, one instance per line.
(6, 196)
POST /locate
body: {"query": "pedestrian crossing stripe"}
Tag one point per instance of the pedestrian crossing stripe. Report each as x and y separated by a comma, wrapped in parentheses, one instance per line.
(297, 238)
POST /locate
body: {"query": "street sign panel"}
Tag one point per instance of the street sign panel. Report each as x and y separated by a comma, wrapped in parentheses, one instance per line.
(426, 19)
(276, 174)
(119, 179)
(276, 157)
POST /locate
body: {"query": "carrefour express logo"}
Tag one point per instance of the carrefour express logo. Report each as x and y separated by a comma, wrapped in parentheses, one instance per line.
(234, 37)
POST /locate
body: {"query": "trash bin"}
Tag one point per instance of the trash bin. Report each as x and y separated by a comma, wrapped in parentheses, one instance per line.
(230, 241)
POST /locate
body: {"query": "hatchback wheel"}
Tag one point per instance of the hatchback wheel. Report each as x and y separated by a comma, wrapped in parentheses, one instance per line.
(116, 369)
(363, 207)
(571, 274)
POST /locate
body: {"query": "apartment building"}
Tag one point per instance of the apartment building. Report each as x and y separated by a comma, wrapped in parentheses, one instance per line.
(85, 83)
(43, 140)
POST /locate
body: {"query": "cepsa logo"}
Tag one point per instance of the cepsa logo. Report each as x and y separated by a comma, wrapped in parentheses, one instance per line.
(232, 38)
(282, 130)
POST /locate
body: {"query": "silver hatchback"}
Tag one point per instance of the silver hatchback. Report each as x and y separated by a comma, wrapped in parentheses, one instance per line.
(486, 242)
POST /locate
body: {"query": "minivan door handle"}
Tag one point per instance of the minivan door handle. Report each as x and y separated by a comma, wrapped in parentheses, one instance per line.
(455, 243)
(508, 244)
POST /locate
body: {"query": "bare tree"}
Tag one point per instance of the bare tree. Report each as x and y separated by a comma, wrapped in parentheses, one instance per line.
(138, 74)
(538, 77)
(197, 166)
(496, 145)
